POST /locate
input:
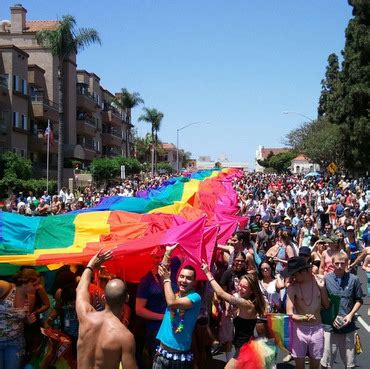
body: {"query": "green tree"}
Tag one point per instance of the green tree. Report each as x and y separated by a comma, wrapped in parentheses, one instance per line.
(13, 169)
(319, 141)
(62, 42)
(349, 105)
(154, 118)
(103, 170)
(328, 86)
(165, 167)
(132, 165)
(142, 147)
(279, 162)
(126, 101)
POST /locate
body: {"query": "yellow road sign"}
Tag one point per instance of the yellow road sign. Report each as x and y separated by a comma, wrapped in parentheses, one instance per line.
(332, 168)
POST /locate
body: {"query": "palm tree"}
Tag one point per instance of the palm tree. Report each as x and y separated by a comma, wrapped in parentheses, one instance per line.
(126, 101)
(153, 117)
(62, 42)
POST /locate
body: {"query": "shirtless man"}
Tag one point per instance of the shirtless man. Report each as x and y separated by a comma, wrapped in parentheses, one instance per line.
(306, 295)
(103, 342)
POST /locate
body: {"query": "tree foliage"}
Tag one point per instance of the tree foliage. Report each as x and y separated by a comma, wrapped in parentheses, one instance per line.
(154, 118)
(319, 141)
(104, 170)
(278, 162)
(329, 85)
(164, 167)
(128, 100)
(347, 102)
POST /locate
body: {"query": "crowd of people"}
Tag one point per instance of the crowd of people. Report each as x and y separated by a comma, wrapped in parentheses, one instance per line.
(32, 204)
(299, 254)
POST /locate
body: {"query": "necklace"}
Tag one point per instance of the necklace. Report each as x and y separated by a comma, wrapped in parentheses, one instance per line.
(180, 327)
(302, 298)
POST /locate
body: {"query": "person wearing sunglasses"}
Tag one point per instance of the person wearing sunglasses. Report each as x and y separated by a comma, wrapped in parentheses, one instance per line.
(341, 333)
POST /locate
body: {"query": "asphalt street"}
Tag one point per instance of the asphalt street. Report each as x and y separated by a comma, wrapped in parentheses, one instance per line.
(363, 323)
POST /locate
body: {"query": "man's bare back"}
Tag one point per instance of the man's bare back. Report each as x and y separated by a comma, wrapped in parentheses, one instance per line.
(104, 342)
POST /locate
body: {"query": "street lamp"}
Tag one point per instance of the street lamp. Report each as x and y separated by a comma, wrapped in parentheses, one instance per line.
(177, 141)
(302, 115)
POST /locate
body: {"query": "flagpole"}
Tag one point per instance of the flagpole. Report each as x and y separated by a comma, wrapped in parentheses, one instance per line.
(47, 158)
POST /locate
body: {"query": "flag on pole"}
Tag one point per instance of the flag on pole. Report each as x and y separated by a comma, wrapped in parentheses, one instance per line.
(49, 133)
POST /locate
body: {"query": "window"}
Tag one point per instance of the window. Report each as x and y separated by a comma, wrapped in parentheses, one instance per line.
(15, 150)
(23, 153)
(16, 119)
(24, 122)
(24, 87)
(15, 82)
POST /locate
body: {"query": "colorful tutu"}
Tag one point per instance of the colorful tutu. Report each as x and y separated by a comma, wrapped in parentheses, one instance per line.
(257, 354)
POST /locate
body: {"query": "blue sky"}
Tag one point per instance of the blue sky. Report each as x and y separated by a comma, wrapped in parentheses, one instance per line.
(237, 64)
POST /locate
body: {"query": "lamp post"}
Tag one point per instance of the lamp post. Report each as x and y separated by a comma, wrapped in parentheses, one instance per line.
(302, 115)
(177, 141)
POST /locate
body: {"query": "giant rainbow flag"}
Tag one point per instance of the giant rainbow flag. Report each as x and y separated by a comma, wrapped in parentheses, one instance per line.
(195, 212)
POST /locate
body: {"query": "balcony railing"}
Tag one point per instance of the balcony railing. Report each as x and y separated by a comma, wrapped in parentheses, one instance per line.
(87, 94)
(86, 119)
(40, 99)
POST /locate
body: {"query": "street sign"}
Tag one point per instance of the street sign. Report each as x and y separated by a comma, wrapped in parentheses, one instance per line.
(332, 168)
(123, 172)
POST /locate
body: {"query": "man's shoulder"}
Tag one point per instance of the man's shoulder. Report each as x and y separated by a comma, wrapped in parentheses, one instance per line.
(194, 297)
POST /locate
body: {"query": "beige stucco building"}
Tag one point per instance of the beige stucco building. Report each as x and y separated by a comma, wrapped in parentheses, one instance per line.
(29, 97)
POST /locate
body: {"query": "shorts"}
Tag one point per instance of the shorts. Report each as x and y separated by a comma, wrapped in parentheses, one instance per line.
(308, 340)
(226, 328)
(345, 342)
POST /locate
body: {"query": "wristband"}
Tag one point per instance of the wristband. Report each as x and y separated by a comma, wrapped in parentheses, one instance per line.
(166, 280)
(210, 280)
(92, 270)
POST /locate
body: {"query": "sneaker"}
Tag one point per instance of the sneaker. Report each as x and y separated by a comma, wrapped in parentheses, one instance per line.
(287, 358)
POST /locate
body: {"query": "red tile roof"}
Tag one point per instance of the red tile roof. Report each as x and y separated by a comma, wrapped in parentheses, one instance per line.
(168, 146)
(300, 157)
(34, 26)
(265, 151)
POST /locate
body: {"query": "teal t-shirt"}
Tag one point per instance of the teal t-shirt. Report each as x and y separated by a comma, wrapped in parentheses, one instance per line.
(180, 341)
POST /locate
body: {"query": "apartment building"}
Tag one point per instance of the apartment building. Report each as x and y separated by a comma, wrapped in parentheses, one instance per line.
(93, 125)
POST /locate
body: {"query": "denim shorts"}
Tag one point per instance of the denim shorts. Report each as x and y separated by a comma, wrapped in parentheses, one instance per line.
(11, 353)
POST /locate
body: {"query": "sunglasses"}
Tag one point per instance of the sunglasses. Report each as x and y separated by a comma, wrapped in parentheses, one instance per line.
(339, 263)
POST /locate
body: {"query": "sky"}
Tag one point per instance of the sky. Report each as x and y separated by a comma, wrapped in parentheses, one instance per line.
(235, 66)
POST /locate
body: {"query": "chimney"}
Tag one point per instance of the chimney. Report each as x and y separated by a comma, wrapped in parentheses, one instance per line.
(18, 20)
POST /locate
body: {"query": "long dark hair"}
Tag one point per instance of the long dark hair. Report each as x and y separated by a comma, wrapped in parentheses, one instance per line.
(257, 296)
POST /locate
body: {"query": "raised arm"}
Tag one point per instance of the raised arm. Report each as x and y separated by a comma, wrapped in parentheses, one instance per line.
(83, 298)
(167, 255)
(172, 301)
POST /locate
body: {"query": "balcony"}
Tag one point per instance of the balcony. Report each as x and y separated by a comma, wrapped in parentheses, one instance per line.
(85, 100)
(112, 116)
(110, 139)
(38, 143)
(44, 109)
(111, 151)
(86, 126)
(36, 75)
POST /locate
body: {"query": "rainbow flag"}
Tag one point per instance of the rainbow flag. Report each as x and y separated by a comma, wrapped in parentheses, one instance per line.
(181, 211)
(280, 327)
